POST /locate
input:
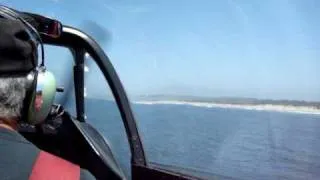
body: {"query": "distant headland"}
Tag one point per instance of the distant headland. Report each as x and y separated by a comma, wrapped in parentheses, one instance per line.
(309, 107)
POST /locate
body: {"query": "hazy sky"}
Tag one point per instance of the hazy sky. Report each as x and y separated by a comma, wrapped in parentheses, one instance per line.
(264, 49)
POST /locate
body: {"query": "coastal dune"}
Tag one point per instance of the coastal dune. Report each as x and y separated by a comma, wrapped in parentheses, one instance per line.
(256, 107)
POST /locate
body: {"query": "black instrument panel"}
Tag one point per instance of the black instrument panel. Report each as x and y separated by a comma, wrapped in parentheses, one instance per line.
(101, 149)
(77, 142)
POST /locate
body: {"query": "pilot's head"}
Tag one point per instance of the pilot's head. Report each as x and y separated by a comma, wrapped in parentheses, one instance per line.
(23, 87)
(17, 56)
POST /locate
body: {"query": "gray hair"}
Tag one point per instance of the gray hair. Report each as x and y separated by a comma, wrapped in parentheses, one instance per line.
(12, 94)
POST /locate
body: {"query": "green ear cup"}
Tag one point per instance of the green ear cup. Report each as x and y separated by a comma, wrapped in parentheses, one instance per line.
(46, 88)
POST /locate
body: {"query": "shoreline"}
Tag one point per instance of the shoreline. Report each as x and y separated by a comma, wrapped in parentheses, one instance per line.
(259, 107)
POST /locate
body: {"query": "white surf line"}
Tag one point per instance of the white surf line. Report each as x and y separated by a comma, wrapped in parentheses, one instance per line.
(262, 107)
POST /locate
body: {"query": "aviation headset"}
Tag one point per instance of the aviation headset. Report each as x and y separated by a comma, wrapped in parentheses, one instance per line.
(41, 83)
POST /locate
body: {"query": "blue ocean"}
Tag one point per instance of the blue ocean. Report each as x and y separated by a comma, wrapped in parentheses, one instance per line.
(227, 143)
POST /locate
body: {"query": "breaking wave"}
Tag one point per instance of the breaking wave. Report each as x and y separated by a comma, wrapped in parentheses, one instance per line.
(262, 107)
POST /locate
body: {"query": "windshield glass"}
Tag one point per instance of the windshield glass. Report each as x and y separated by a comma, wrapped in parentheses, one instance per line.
(63, 74)
(102, 112)
(228, 87)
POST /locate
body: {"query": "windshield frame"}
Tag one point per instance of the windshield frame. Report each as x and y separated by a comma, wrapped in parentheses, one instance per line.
(79, 43)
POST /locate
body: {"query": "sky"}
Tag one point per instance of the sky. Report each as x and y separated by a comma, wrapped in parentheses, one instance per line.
(244, 48)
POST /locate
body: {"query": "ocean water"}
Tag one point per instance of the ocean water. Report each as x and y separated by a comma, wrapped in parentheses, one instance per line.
(230, 143)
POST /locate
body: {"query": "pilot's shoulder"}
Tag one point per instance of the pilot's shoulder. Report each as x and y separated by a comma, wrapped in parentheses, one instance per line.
(46, 161)
(86, 175)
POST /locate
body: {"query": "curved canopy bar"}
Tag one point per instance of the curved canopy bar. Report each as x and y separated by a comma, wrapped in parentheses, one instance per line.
(79, 42)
